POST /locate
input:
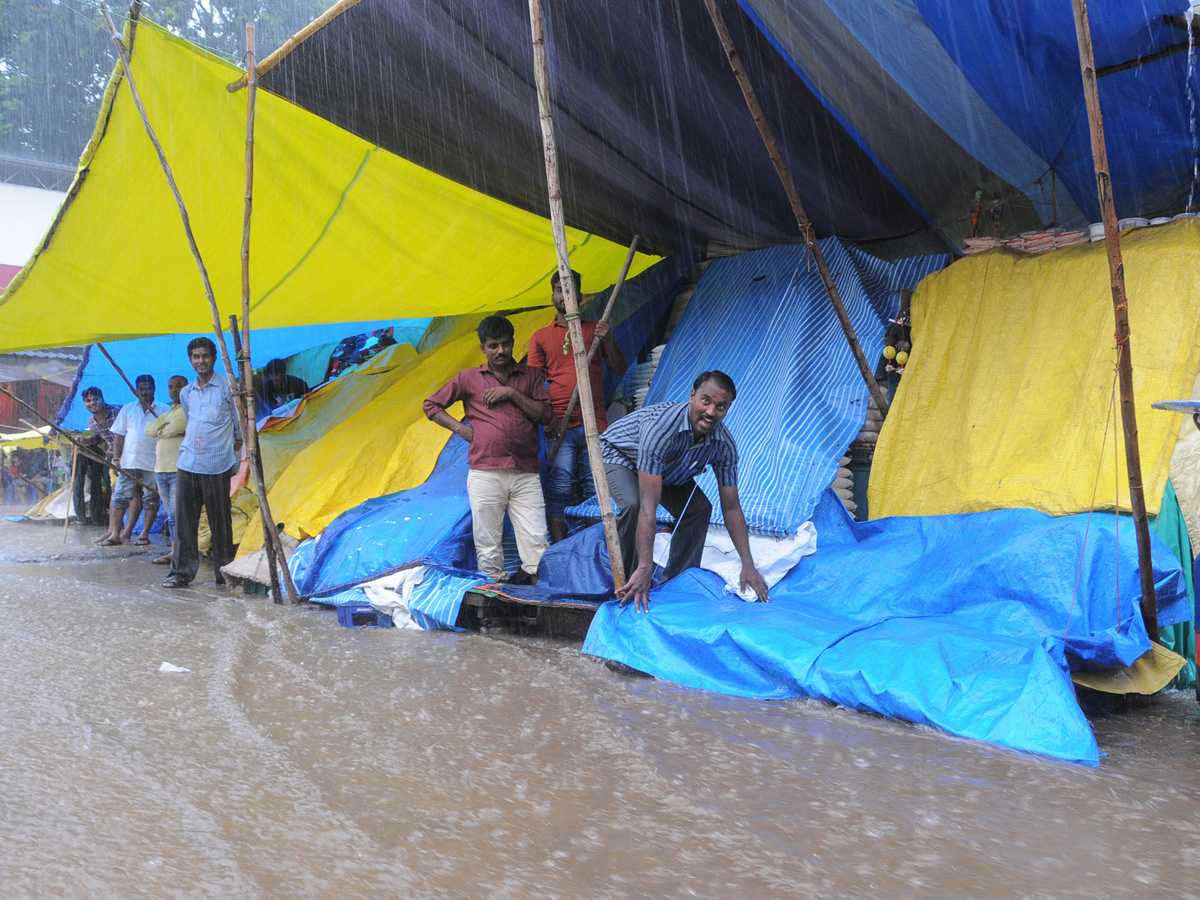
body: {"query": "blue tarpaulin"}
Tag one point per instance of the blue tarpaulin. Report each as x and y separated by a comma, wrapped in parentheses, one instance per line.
(964, 622)
(765, 319)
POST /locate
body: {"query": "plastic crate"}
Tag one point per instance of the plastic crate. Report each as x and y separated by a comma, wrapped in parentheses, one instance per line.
(362, 615)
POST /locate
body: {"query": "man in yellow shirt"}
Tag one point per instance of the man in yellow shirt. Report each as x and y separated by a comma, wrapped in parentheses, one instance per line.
(168, 428)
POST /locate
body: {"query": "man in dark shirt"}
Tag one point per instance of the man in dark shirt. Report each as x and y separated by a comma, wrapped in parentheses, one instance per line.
(281, 388)
(100, 442)
(503, 404)
(569, 473)
(652, 456)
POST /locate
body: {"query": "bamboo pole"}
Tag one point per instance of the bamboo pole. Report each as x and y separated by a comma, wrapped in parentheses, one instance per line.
(123, 55)
(124, 377)
(594, 349)
(1116, 271)
(584, 383)
(802, 220)
(82, 449)
(272, 545)
(70, 493)
(272, 60)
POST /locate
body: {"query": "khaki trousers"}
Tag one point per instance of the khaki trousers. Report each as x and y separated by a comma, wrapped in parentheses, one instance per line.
(494, 491)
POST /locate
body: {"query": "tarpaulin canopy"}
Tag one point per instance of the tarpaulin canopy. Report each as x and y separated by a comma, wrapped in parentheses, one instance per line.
(963, 622)
(1005, 400)
(654, 134)
(342, 229)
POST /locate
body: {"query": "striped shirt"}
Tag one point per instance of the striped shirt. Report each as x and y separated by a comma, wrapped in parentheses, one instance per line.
(658, 440)
(105, 433)
(207, 447)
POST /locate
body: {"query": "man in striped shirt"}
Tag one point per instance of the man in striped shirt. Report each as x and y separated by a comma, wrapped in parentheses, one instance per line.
(652, 457)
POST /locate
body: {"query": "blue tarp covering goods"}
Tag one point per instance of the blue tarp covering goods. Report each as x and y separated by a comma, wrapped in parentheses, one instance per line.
(963, 622)
(764, 319)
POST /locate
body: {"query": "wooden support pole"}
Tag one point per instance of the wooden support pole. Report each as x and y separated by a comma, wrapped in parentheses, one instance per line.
(124, 377)
(123, 54)
(567, 281)
(595, 348)
(1116, 270)
(71, 492)
(802, 220)
(272, 545)
(82, 449)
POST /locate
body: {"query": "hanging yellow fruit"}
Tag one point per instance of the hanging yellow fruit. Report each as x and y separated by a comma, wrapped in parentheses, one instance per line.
(901, 358)
(889, 352)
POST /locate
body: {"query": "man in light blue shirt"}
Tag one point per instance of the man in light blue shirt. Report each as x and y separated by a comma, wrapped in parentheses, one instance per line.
(207, 460)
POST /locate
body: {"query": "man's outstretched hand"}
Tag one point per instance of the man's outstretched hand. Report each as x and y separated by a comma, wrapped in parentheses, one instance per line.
(753, 578)
(637, 589)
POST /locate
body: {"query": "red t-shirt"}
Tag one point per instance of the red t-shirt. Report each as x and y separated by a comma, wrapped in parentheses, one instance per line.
(546, 353)
(504, 438)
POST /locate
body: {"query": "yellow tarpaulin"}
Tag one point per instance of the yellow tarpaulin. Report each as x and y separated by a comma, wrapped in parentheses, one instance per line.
(342, 230)
(366, 434)
(1005, 401)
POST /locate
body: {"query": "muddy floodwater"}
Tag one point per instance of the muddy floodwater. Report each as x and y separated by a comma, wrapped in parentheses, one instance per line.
(299, 759)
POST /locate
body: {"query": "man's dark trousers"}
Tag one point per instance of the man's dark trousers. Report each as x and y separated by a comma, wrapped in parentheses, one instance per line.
(95, 510)
(193, 492)
(691, 517)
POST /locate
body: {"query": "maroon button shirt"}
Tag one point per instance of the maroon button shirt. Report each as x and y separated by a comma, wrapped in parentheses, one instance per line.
(504, 437)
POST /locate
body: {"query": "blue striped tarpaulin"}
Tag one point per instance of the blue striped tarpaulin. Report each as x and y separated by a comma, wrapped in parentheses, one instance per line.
(764, 319)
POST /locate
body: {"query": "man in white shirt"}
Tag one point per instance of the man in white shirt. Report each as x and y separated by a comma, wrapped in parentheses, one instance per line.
(133, 451)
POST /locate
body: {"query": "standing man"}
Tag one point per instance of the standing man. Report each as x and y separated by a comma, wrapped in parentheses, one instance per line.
(99, 441)
(652, 456)
(207, 460)
(569, 473)
(503, 402)
(168, 430)
(133, 451)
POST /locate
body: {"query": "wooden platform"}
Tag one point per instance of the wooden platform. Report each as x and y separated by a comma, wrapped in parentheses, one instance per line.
(491, 611)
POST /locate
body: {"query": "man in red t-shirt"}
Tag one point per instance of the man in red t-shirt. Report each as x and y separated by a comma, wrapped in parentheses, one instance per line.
(503, 404)
(569, 475)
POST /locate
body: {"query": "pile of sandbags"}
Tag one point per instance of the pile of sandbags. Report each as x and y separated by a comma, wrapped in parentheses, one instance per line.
(637, 380)
(843, 484)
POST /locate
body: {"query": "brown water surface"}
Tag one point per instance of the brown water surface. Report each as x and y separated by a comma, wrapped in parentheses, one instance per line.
(300, 759)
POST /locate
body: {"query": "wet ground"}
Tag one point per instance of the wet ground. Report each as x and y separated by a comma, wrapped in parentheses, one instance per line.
(300, 759)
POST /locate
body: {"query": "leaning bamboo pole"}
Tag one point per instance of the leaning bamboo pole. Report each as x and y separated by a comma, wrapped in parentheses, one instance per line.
(595, 348)
(82, 449)
(558, 223)
(793, 195)
(272, 545)
(123, 54)
(71, 493)
(1116, 271)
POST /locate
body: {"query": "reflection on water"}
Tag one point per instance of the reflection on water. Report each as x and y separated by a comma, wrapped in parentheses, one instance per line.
(301, 759)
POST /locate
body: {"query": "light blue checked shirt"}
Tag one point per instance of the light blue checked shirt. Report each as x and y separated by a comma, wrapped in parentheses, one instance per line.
(207, 447)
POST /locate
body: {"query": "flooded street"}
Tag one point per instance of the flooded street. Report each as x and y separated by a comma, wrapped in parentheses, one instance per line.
(297, 759)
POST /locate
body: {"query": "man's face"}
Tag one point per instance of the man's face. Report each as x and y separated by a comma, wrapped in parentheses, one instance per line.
(174, 386)
(498, 351)
(94, 403)
(558, 298)
(145, 390)
(202, 361)
(707, 406)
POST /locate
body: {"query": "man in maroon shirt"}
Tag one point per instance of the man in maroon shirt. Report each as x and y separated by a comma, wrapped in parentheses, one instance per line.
(569, 474)
(503, 404)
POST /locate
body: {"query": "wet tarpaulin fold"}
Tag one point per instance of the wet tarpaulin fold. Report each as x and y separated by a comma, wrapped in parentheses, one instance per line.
(965, 622)
(765, 319)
